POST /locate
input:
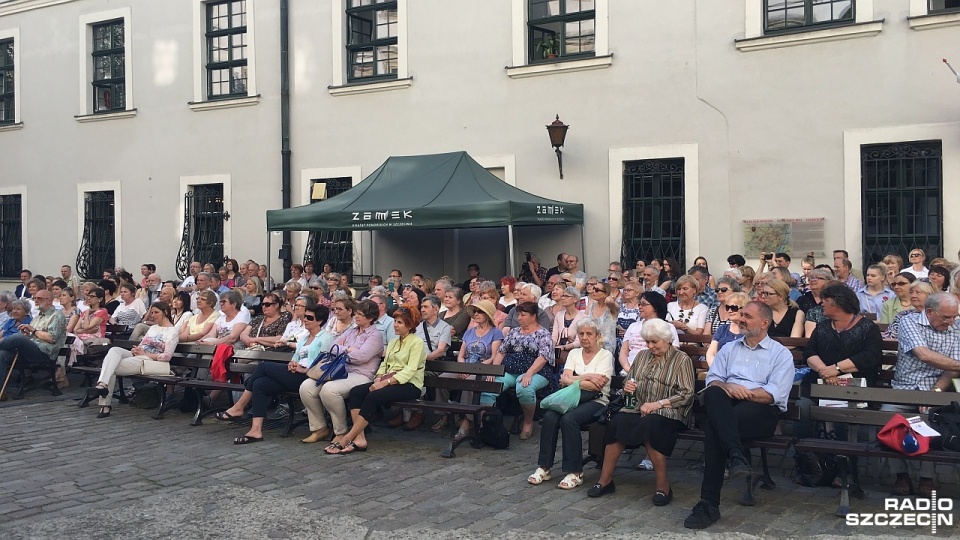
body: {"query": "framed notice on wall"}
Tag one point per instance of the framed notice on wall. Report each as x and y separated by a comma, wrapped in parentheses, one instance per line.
(796, 237)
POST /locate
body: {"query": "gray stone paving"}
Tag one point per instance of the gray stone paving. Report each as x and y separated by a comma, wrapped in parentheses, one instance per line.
(65, 473)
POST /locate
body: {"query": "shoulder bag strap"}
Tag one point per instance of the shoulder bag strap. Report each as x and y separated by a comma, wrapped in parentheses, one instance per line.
(426, 336)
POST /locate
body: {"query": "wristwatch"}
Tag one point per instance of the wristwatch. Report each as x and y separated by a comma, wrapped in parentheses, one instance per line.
(838, 368)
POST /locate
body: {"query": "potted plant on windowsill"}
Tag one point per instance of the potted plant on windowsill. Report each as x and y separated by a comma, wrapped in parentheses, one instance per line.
(549, 47)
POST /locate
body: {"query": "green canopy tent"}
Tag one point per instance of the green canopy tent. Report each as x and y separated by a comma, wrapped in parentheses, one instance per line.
(437, 191)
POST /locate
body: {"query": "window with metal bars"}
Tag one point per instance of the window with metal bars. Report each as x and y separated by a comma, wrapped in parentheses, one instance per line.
(11, 235)
(97, 248)
(372, 50)
(942, 6)
(560, 29)
(334, 247)
(7, 75)
(653, 210)
(109, 92)
(781, 15)
(902, 199)
(226, 49)
(203, 224)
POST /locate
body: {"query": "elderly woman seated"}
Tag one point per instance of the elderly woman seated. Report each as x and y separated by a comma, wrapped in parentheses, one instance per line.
(592, 366)
(719, 316)
(919, 292)
(19, 314)
(659, 388)
(271, 379)
(263, 330)
(686, 314)
(652, 306)
(726, 333)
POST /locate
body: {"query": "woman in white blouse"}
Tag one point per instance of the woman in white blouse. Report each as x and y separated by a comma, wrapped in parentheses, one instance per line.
(686, 314)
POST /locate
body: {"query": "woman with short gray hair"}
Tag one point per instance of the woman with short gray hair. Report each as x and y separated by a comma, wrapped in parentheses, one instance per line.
(19, 314)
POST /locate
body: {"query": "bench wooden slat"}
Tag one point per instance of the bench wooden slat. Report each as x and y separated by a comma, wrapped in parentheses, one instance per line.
(446, 366)
(271, 356)
(871, 450)
(466, 385)
(883, 395)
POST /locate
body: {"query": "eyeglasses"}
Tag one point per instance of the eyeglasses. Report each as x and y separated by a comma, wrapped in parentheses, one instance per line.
(732, 308)
(644, 303)
(916, 254)
(566, 295)
(766, 294)
(814, 278)
(309, 318)
(268, 304)
(945, 317)
(723, 289)
(301, 306)
(900, 283)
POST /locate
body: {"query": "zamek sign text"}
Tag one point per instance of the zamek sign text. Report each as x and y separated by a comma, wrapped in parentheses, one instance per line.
(386, 218)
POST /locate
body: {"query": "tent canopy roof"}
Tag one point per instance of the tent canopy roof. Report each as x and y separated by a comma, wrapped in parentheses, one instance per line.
(437, 191)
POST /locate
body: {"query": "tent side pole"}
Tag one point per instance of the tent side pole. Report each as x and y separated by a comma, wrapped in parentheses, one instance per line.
(583, 251)
(269, 249)
(373, 255)
(510, 246)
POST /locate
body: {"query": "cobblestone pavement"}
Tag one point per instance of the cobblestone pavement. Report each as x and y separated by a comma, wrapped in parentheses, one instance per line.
(65, 473)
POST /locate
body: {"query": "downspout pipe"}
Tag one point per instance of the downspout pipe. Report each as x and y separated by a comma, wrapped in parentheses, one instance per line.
(285, 248)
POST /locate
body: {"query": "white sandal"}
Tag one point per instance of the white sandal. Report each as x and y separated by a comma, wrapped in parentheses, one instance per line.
(539, 476)
(571, 481)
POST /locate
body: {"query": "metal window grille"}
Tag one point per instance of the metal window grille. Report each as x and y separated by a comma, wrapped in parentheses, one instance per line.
(11, 235)
(226, 49)
(372, 50)
(653, 206)
(560, 29)
(902, 199)
(97, 247)
(109, 92)
(798, 14)
(203, 221)
(334, 247)
(7, 102)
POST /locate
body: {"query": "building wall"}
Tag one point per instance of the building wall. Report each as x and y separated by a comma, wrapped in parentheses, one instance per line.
(771, 133)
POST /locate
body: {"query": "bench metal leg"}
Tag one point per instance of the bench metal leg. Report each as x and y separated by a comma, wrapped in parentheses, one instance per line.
(198, 413)
(54, 387)
(765, 481)
(122, 396)
(166, 403)
(844, 508)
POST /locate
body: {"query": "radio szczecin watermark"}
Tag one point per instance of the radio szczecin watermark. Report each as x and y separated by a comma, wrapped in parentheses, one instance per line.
(932, 512)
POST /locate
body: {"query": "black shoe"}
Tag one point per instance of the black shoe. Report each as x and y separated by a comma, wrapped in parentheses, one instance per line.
(662, 499)
(740, 467)
(702, 516)
(102, 391)
(92, 394)
(104, 412)
(599, 491)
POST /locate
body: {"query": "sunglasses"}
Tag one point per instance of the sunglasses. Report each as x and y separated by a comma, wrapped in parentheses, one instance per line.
(268, 304)
(765, 294)
(723, 289)
(309, 318)
(732, 308)
(599, 289)
(915, 254)
(901, 283)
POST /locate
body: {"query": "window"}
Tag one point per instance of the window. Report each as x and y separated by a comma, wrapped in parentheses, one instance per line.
(334, 247)
(902, 198)
(372, 45)
(653, 210)
(97, 248)
(226, 42)
(792, 14)
(560, 29)
(108, 67)
(203, 226)
(943, 6)
(7, 80)
(11, 235)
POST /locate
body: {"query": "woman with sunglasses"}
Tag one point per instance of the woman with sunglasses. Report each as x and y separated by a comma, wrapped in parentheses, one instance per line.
(901, 288)
(730, 331)
(271, 379)
(917, 258)
(603, 311)
(787, 317)
(615, 281)
(400, 378)
(718, 317)
(652, 306)
(264, 329)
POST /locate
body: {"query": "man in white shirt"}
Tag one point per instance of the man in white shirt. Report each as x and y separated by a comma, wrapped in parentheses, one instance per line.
(189, 283)
(203, 284)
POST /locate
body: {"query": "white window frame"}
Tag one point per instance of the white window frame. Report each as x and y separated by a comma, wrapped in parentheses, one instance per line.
(187, 182)
(338, 46)
(115, 187)
(24, 222)
(200, 100)
(307, 176)
(920, 17)
(754, 39)
(507, 162)
(520, 69)
(690, 153)
(87, 21)
(853, 139)
(14, 34)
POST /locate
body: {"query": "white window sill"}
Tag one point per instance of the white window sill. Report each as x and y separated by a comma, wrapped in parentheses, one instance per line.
(567, 66)
(11, 127)
(218, 104)
(369, 87)
(837, 33)
(119, 115)
(937, 20)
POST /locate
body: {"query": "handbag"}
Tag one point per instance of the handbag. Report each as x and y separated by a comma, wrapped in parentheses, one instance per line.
(329, 366)
(151, 368)
(898, 435)
(946, 420)
(563, 400)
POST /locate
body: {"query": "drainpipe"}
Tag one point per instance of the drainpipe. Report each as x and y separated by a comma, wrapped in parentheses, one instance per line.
(285, 248)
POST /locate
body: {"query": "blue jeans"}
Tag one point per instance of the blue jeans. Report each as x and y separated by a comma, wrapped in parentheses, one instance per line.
(526, 396)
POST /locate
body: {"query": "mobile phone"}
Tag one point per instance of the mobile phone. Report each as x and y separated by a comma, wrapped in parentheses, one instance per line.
(390, 286)
(768, 256)
(526, 255)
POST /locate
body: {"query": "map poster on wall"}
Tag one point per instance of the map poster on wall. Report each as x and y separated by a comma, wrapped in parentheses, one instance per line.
(796, 237)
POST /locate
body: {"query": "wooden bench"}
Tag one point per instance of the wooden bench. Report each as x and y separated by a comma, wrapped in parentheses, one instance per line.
(477, 384)
(88, 364)
(25, 374)
(853, 416)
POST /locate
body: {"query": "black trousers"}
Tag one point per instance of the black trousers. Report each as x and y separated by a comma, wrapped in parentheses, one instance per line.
(568, 424)
(369, 402)
(729, 421)
(268, 380)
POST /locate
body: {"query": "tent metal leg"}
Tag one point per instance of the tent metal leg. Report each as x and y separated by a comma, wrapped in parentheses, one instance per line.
(583, 250)
(512, 267)
(269, 249)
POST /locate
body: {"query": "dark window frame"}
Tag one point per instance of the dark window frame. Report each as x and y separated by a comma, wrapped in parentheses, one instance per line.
(950, 6)
(8, 73)
(113, 86)
(654, 210)
(361, 16)
(536, 32)
(11, 235)
(808, 22)
(235, 88)
(204, 225)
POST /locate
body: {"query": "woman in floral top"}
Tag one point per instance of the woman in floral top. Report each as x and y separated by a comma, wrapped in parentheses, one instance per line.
(527, 355)
(158, 345)
(264, 329)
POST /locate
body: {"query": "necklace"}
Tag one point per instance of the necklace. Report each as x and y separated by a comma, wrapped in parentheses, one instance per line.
(684, 316)
(849, 325)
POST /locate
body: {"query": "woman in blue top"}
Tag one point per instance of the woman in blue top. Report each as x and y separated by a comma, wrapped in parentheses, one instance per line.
(19, 314)
(728, 332)
(271, 379)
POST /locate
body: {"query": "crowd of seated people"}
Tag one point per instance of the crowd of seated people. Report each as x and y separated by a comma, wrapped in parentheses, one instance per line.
(564, 327)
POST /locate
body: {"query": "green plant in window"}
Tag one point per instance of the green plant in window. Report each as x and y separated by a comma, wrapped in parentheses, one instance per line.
(549, 46)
